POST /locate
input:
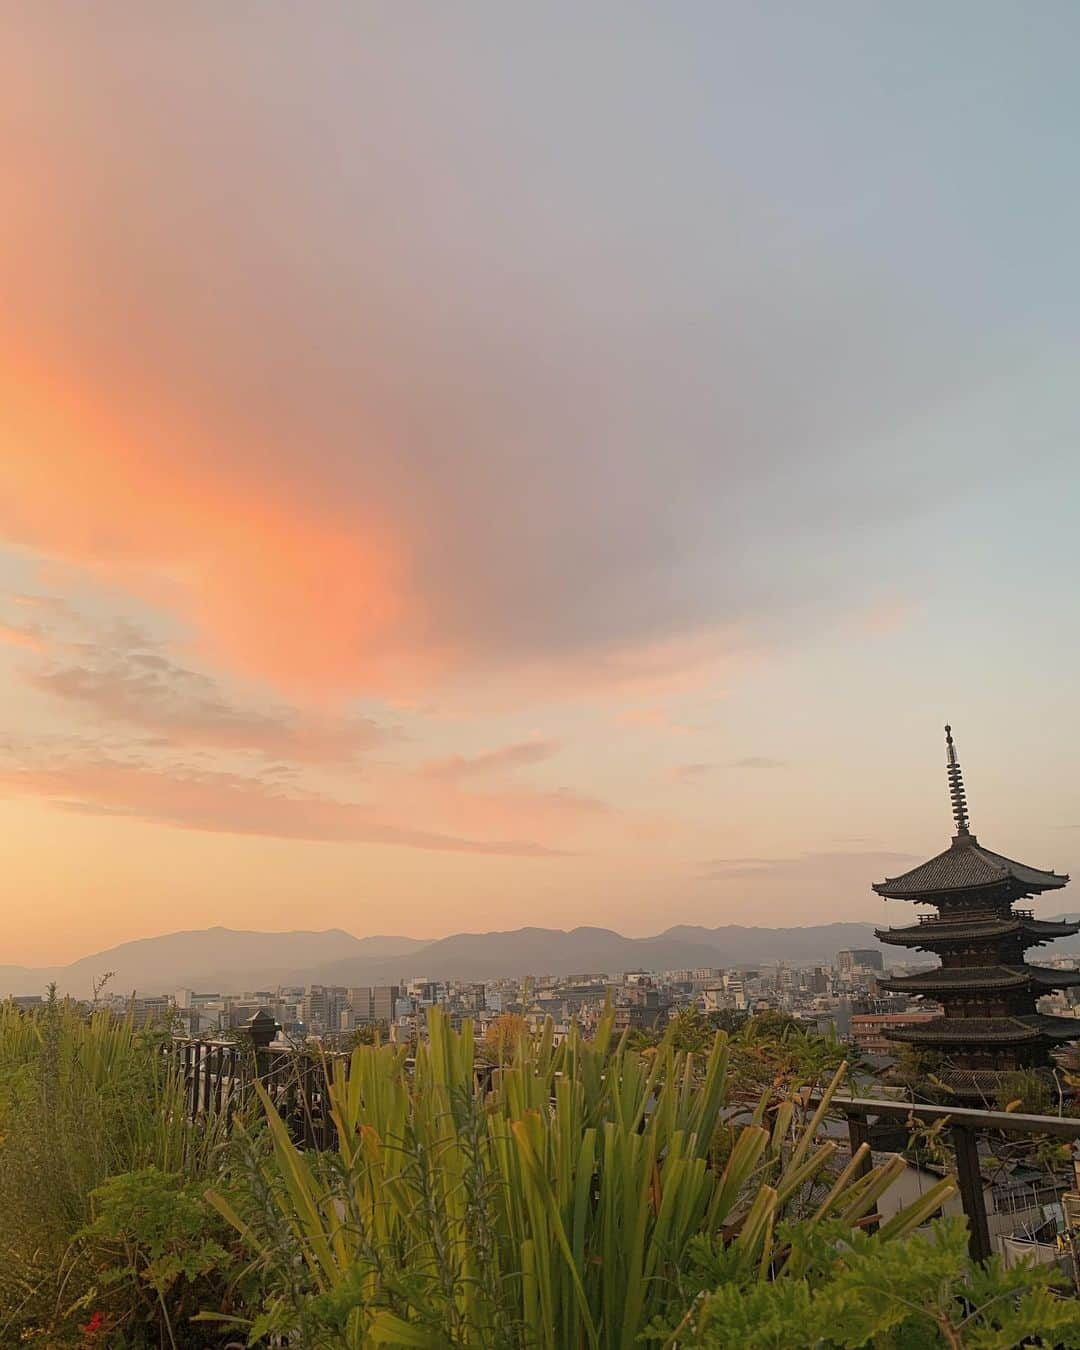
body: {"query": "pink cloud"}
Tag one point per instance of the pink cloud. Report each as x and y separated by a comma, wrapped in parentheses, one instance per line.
(507, 757)
(278, 582)
(293, 572)
(556, 815)
(28, 637)
(228, 803)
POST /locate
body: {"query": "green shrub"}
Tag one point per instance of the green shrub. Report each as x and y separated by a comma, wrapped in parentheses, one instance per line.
(153, 1243)
(852, 1291)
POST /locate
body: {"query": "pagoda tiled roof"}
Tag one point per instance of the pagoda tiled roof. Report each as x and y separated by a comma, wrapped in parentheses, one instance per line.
(966, 865)
(994, 1030)
(944, 978)
(979, 1084)
(933, 931)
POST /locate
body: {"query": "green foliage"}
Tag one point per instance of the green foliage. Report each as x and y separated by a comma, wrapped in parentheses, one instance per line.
(151, 1240)
(918, 1070)
(572, 1196)
(769, 1050)
(1027, 1091)
(369, 1033)
(692, 1032)
(82, 1099)
(853, 1291)
(558, 1210)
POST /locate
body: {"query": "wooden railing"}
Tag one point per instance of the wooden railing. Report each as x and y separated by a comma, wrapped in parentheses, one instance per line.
(964, 1127)
(966, 916)
(218, 1076)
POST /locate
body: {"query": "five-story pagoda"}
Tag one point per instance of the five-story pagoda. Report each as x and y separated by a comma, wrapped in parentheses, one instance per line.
(990, 1025)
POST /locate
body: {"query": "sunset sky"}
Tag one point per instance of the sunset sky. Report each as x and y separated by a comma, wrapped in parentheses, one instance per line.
(467, 466)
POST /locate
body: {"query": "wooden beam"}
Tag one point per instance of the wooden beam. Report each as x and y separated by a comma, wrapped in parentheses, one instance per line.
(1011, 1122)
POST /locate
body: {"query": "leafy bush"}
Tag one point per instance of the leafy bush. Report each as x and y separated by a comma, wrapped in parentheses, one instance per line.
(153, 1241)
(843, 1291)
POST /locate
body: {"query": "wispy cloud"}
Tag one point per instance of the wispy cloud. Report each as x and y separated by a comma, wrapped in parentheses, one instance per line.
(198, 799)
(696, 773)
(117, 673)
(865, 866)
(501, 760)
(155, 728)
(690, 773)
(25, 635)
(150, 691)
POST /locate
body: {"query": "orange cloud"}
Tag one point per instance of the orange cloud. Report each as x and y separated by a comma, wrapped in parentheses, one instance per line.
(557, 815)
(17, 636)
(264, 570)
(282, 571)
(229, 803)
(504, 758)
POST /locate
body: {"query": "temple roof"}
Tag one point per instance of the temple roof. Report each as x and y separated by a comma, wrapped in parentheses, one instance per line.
(994, 1030)
(946, 978)
(981, 1084)
(965, 864)
(932, 932)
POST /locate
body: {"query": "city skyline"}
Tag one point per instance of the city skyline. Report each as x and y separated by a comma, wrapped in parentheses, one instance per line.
(477, 470)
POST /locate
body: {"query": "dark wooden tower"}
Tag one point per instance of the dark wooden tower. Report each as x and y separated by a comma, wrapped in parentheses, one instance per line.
(990, 1024)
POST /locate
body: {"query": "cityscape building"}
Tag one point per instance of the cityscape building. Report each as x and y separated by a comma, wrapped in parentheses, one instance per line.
(868, 958)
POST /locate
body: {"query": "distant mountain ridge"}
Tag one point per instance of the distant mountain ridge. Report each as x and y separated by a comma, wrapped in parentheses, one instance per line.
(224, 960)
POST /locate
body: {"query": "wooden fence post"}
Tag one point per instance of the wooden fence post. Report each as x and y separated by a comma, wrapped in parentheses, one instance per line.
(262, 1029)
(972, 1197)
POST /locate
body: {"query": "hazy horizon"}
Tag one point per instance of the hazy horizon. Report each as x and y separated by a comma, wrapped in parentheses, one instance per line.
(494, 468)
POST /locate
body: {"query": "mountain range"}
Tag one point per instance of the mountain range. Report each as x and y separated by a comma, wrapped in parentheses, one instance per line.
(226, 960)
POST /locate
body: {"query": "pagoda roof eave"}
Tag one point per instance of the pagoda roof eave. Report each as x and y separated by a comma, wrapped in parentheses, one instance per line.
(945, 979)
(989, 1030)
(978, 1085)
(934, 932)
(966, 866)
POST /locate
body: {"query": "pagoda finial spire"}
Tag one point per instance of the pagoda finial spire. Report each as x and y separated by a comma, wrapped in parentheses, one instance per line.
(956, 787)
